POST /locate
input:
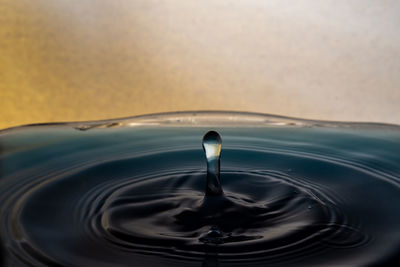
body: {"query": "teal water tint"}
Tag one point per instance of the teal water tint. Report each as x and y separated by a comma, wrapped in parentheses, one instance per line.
(292, 196)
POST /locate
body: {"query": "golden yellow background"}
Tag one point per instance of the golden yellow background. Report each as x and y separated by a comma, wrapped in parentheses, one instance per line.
(69, 60)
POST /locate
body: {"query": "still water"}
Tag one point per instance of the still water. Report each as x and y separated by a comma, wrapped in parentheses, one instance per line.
(154, 195)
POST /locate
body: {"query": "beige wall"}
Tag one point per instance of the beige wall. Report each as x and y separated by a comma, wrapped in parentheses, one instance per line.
(70, 60)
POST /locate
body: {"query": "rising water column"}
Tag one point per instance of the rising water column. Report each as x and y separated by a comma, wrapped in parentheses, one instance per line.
(212, 147)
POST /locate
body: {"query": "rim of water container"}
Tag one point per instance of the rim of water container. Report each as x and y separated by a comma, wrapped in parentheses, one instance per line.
(208, 118)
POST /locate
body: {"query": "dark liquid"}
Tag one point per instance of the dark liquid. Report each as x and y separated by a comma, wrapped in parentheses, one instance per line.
(292, 196)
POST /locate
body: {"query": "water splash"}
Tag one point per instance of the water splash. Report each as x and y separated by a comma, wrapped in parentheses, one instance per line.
(116, 196)
(212, 147)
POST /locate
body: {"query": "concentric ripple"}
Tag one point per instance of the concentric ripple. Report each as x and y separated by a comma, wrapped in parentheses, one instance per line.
(278, 219)
(293, 196)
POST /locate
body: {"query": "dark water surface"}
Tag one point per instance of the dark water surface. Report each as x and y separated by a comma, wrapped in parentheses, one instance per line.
(134, 196)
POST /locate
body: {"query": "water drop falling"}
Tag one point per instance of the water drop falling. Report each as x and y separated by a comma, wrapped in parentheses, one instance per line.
(212, 147)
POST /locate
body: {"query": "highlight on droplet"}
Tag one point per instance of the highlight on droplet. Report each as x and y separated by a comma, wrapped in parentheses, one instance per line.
(212, 143)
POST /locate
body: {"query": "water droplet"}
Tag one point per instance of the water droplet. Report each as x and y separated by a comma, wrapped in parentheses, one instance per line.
(214, 236)
(214, 232)
(212, 147)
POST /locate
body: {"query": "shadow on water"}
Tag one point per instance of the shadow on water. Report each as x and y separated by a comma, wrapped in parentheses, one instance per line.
(2, 151)
(211, 260)
(2, 256)
(1, 175)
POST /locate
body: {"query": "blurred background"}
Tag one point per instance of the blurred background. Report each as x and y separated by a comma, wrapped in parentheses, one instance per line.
(74, 60)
